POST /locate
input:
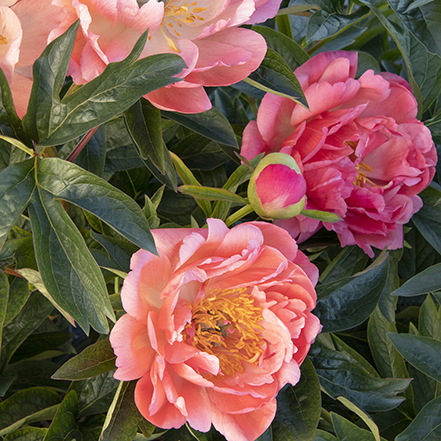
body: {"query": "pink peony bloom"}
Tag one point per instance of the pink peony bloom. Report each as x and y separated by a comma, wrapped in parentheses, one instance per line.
(364, 154)
(204, 33)
(215, 326)
(277, 187)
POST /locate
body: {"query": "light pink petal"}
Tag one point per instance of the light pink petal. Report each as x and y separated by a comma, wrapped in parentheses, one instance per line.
(132, 347)
(244, 427)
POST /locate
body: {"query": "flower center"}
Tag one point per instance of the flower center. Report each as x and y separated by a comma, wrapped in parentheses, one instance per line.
(3, 40)
(176, 15)
(225, 323)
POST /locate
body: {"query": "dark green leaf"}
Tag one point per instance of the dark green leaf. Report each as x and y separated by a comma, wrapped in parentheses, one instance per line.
(93, 157)
(68, 270)
(18, 252)
(426, 426)
(95, 394)
(89, 192)
(16, 188)
(321, 435)
(211, 124)
(348, 302)
(94, 360)
(293, 54)
(125, 416)
(298, 407)
(4, 297)
(342, 375)
(64, 425)
(27, 434)
(30, 317)
(422, 352)
(429, 323)
(347, 431)
(427, 281)
(27, 406)
(144, 124)
(275, 76)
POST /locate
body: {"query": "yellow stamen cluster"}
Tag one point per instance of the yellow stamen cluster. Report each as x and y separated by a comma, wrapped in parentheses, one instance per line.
(225, 323)
(362, 167)
(3, 40)
(179, 14)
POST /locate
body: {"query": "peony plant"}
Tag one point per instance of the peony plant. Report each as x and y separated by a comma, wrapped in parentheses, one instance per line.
(364, 154)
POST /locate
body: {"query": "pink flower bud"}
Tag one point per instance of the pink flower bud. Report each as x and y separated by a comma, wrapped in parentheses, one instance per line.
(277, 187)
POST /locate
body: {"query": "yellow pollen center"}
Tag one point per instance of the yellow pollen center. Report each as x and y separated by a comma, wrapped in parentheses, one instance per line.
(3, 40)
(225, 323)
(176, 15)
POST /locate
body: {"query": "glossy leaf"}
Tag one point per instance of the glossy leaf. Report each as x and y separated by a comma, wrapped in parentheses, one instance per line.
(93, 156)
(16, 187)
(211, 194)
(211, 124)
(67, 268)
(348, 302)
(95, 360)
(298, 407)
(429, 321)
(321, 435)
(426, 281)
(426, 426)
(276, 77)
(347, 431)
(27, 406)
(95, 394)
(342, 375)
(64, 425)
(125, 417)
(422, 352)
(144, 124)
(52, 121)
(71, 183)
(30, 317)
(27, 434)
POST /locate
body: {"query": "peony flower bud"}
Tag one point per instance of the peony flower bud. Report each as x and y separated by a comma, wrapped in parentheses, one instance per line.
(277, 187)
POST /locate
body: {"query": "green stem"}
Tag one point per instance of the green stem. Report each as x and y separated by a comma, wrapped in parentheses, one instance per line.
(239, 214)
(284, 25)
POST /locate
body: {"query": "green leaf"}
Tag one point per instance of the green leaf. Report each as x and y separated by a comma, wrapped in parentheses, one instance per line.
(64, 425)
(350, 260)
(16, 188)
(34, 278)
(144, 124)
(27, 406)
(123, 417)
(426, 426)
(95, 394)
(426, 281)
(347, 431)
(298, 407)
(73, 184)
(276, 77)
(30, 317)
(95, 360)
(323, 216)
(347, 303)
(52, 121)
(27, 434)
(211, 124)
(422, 352)
(68, 270)
(4, 297)
(211, 194)
(388, 360)
(429, 323)
(321, 435)
(342, 375)
(293, 54)
(93, 156)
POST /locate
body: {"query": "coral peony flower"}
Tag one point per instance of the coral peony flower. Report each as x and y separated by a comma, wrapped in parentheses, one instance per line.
(203, 32)
(277, 187)
(364, 154)
(215, 326)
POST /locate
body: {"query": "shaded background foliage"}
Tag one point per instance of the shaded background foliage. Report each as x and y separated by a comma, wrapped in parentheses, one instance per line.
(73, 216)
